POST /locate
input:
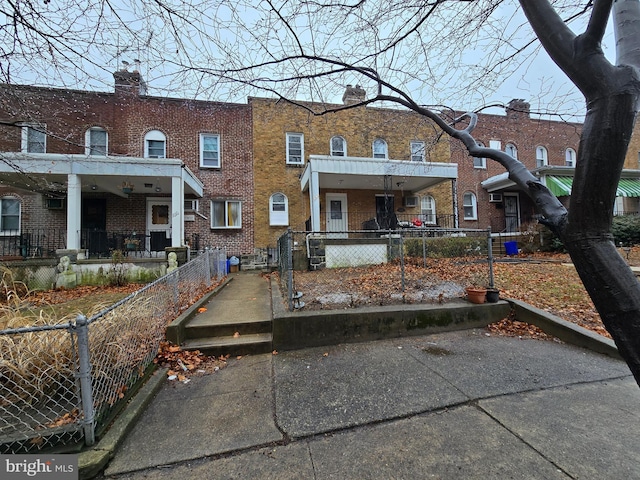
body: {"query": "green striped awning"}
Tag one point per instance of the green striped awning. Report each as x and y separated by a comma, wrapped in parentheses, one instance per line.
(561, 186)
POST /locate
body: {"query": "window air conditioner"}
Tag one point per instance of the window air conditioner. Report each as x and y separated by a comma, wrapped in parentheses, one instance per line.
(495, 197)
(411, 201)
(54, 203)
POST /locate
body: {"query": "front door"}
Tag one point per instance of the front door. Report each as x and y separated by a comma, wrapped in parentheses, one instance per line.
(94, 226)
(158, 224)
(336, 214)
(511, 212)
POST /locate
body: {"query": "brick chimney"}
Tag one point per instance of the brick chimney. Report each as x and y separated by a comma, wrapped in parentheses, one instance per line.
(130, 83)
(518, 108)
(354, 95)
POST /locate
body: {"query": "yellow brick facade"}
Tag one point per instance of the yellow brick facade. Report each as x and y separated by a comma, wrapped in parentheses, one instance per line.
(360, 126)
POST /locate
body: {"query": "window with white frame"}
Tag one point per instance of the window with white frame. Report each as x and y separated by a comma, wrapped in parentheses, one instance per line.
(96, 141)
(379, 148)
(480, 162)
(226, 214)
(9, 215)
(210, 150)
(34, 139)
(417, 151)
(338, 146)
(510, 149)
(470, 206)
(278, 209)
(295, 148)
(155, 144)
(541, 156)
(570, 157)
(428, 209)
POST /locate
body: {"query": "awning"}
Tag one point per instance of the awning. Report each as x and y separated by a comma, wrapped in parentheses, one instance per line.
(561, 186)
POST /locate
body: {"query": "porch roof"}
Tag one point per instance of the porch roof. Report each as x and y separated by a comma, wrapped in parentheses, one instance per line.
(559, 180)
(369, 173)
(48, 172)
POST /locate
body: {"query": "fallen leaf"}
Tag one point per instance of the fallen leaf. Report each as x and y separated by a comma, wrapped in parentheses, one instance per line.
(202, 309)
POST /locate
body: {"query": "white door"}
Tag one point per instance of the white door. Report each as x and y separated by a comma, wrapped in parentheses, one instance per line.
(158, 224)
(336, 214)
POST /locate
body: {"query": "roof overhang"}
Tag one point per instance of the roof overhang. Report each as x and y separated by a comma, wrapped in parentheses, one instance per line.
(47, 172)
(369, 173)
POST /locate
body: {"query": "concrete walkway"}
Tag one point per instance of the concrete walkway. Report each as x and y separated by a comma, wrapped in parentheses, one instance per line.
(455, 405)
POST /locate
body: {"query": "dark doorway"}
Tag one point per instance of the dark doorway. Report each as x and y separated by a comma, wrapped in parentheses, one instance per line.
(385, 212)
(94, 226)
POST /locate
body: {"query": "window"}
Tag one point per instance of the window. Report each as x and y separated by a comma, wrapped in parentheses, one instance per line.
(541, 157)
(209, 150)
(9, 215)
(155, 144)
(295, 148)
(338, 147)
(428, 209)
(34, 139)
(278, 209)
(570, 157)
(469, 205)
(379, 148)
(510, 149)
(96, 141)
(417, 151)
(226, 214)
(480, 162)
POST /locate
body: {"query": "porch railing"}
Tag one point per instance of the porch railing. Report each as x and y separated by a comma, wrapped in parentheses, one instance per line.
(371, 220)
(31, 243)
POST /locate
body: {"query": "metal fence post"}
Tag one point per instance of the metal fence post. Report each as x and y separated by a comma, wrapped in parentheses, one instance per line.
(207, 267)
(84, 375)
(490, 257)
(402, 279)
(289, 247)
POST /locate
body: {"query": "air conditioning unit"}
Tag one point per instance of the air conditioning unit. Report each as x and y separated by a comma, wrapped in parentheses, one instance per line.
(495, 197)
(55, 203)
(411, 201)
(191, 205)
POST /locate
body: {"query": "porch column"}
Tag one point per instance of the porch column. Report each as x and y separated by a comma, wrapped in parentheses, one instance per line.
(314, 201)
(74, 205)
(177, 206)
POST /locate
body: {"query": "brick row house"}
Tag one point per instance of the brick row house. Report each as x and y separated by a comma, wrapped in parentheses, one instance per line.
(102, 171)
(91, 171)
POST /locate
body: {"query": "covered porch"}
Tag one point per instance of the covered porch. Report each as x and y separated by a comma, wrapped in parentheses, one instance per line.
(87, 188)
(335, 185)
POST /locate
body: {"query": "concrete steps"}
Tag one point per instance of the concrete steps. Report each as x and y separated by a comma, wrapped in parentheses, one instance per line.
(237, 321)
(247, 344)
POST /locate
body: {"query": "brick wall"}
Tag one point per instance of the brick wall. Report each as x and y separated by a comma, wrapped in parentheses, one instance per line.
(359, 127)
(127, 117)
(526, 132)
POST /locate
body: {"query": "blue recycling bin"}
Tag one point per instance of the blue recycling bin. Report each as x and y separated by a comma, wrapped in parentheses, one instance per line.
(511, 248)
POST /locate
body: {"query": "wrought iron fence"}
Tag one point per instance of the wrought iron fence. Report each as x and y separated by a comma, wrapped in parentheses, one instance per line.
(328, 270)
(62, 384)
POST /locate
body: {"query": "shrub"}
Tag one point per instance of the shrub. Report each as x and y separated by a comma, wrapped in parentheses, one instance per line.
(446, 247)
(626, 229)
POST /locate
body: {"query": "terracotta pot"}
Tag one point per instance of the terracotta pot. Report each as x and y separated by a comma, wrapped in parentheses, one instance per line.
(476, 294)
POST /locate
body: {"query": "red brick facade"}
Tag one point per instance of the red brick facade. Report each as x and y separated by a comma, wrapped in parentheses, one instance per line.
(127, 116)
(519, 128)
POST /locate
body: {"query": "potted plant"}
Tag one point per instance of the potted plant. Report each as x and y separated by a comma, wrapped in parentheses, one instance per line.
(476, 293)
(131, 243)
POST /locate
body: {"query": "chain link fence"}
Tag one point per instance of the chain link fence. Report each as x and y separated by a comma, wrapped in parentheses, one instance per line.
(333, 270)
(63, 384)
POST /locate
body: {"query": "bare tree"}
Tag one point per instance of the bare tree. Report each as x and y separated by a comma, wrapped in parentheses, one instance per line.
(405, 51)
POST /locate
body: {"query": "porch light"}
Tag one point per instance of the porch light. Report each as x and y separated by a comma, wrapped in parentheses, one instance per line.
(127, 187)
